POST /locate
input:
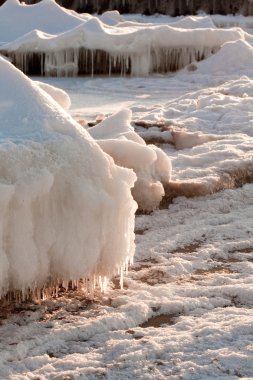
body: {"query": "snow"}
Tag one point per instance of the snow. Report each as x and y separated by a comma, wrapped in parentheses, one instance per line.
(228, 54)
(152, 166)
(67, 209)
(185, 310)
(193, 265)
(17, 19)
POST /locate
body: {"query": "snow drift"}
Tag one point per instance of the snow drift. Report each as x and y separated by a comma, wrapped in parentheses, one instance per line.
(66, 209)
(87, 46)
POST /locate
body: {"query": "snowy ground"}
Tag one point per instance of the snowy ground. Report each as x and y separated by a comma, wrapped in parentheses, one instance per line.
(186, 310)
(93, 96)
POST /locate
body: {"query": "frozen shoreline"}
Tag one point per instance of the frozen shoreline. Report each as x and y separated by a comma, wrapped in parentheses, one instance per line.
(186, 307)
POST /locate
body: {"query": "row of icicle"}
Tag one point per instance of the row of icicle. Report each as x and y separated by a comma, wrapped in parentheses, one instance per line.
(73, 62)
(53, 288)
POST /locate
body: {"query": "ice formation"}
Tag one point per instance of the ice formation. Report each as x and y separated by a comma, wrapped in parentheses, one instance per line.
(85, 45)
(67, 209)
(152, 166)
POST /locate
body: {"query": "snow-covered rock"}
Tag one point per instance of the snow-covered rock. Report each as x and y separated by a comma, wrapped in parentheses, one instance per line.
(66, 209)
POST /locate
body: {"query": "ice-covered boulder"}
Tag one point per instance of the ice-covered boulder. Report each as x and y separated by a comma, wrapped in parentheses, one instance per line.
(66, 209)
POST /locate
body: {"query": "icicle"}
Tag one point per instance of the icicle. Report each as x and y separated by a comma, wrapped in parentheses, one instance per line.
(126, 265)
(121, 278)
(65, 284)
(110, 65)
(92, 63)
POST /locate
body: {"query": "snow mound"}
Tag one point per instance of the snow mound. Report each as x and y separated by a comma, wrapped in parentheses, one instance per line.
(152, 166)
(233, 57)
(17, 19)
(67, 209)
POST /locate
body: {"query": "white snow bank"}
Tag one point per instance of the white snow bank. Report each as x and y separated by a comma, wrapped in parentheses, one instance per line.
(67, 209)
(233, 58)
(152, 166)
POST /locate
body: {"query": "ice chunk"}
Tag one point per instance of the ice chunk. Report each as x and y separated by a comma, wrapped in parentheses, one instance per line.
(152, 166)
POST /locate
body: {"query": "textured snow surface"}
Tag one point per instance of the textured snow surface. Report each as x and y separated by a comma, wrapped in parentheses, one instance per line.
(67, 209)
(185, 312)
